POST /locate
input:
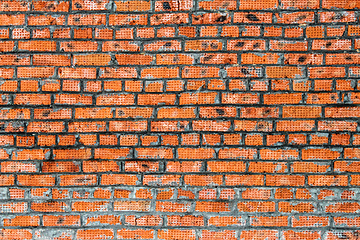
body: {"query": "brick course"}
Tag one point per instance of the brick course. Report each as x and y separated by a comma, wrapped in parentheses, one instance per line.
(164, 119)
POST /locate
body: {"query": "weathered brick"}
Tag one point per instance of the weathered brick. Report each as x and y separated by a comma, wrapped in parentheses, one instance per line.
(196, 116)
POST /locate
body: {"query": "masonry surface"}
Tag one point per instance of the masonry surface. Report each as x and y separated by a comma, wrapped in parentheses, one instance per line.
(180, 119)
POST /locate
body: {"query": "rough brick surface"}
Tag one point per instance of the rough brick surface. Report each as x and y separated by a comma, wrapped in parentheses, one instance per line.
(180, 119)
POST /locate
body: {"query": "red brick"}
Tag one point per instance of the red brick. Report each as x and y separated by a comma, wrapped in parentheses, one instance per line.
(256, 207)
(253, 234)
(247, 180)
(135, 234)
(82, 206)
(224, 221)
(77, 180)
(167, 234)
(95, 233)
(22, 221)
(132, 206)
(285, 180)
(38, 180)
(16, 234)
(257, 5)
(280, 221)
(124, 19)
(67, 220)
(320, 180)
(118, 179)
(284, 45)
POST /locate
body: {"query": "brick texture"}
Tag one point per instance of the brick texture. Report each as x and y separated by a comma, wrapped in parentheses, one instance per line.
(180, 119)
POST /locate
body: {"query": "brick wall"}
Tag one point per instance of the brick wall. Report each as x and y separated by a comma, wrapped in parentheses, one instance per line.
(177, 120)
